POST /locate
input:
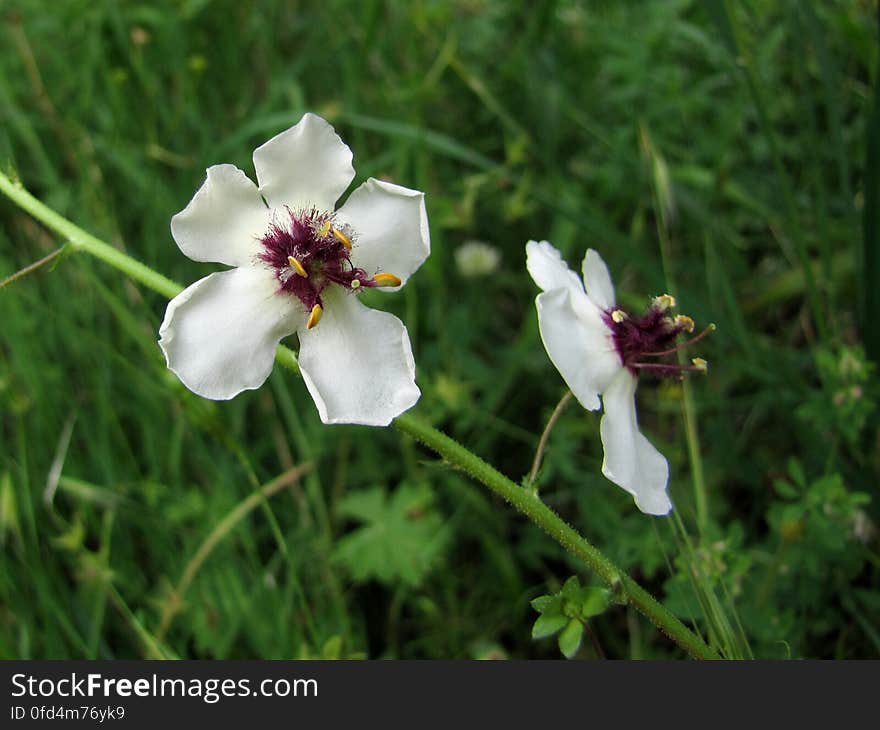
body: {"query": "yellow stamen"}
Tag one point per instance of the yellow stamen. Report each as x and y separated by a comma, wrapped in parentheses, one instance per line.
(342, 238)
(383, 278)
(325, 229)
(315, 316)
(618, 315)
(298, 267)
(664, 302)
(355, 283)
(700, 364)
(685, 322)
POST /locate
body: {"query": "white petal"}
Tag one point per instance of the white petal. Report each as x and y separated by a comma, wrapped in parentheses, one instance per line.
(579, 344)
(597, 280)
(306, 165)
(547, 268)
(357, 363)
(219, 335)
(224, 220)
(390, 226)
(630, 459)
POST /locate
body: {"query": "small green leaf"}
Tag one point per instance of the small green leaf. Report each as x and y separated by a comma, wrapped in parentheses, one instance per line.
(786, 489)
(571, 589)
(541, 603)
(546, 604)
(594, 601)
(570, 638)
(548, 624)
(797, 472)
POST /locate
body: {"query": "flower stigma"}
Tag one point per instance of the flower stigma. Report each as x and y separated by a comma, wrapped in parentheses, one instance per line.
(310, 252)
(653, 335)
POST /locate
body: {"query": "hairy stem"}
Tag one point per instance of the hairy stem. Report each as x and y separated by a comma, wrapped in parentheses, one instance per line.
(523, 500)
(31, 268)
(530, 505)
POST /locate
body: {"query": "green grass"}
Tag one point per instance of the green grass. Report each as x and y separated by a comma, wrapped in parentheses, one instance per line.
(717, 149)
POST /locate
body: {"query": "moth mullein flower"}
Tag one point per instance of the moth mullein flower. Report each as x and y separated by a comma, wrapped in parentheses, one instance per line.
(600, 349)
(299, 267)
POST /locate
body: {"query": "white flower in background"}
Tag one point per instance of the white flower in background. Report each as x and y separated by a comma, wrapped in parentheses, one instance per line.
(476, 258)
(599, 349)
(299, 268)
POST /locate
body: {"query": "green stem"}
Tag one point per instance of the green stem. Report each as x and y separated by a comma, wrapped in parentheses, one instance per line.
(545, 437)
(525, 501)
(31, 268)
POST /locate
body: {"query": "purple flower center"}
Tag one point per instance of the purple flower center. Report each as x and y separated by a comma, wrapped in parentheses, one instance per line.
(652, 335)
(309, 252)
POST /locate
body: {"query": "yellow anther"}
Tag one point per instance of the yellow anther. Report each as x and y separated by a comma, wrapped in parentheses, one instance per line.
(298, 267)
(685, 322)
(315, 316)
(700, 364)
(664, 302)
(355, 283)
(618, 315)
(324, 230)
(342, 238)
(383, 278)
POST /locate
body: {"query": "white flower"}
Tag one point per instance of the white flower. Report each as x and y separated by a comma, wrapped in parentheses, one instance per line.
(298, 262)
(598, 349)
(475, 259)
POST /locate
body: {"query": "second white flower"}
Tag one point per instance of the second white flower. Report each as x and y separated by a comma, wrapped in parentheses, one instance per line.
(599, 349)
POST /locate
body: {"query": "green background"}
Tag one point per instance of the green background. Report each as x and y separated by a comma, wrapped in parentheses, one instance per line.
(725, 152)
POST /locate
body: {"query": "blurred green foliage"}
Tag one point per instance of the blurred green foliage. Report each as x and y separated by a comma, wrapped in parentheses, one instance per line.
(732, 132)
(401, 537)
